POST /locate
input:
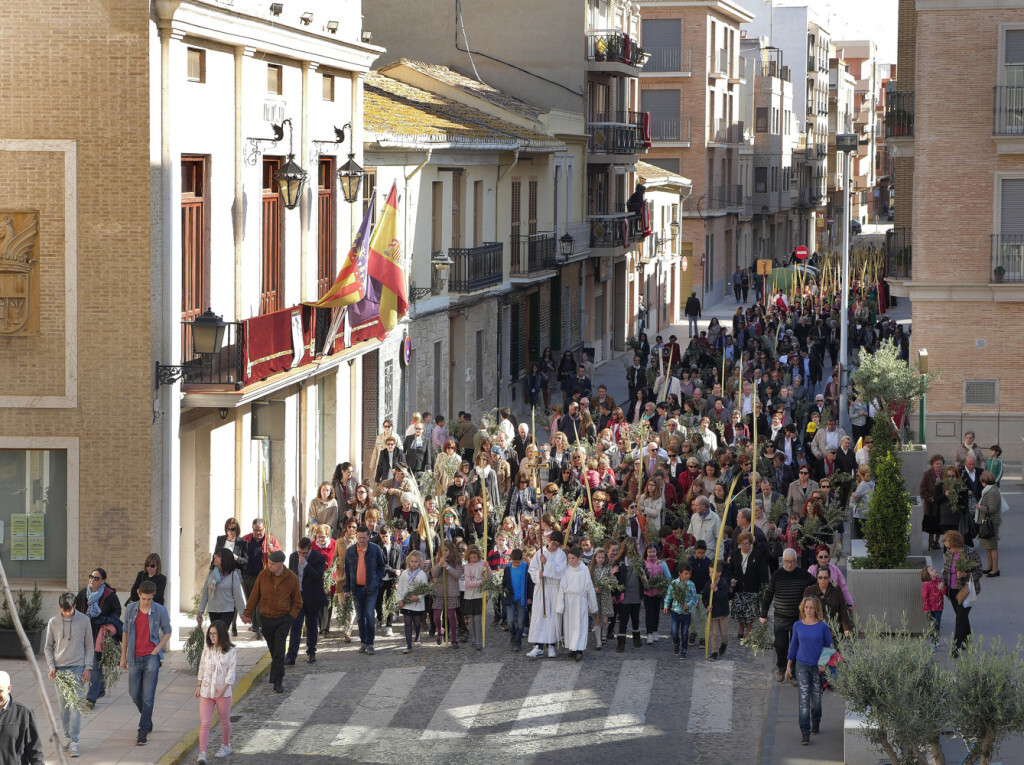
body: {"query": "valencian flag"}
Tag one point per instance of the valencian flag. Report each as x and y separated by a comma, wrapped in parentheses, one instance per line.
(350, 286)
(385, 299)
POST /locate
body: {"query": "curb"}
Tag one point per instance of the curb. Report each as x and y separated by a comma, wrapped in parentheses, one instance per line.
(190, 740)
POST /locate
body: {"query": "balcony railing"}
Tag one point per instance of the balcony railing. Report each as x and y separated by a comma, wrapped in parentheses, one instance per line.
(613, 46)
(224, 368)
(475, 268)
(613, 138)
(1007, 110)
(669, 128)
(673, 59)
(726, 132)
(899, 114)
(533, 252)
(899, 253)
(719, 64)
(610, 230)
(1007, 258)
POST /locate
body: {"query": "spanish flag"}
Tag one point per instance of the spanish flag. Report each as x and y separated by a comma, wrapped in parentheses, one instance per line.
(385, 264)
(350, 286)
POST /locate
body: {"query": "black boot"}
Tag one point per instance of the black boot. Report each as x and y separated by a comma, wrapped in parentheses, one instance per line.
(637, 642)
(721, 649)
(620, 644)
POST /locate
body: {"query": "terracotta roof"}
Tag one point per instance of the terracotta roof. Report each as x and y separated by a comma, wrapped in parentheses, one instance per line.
(647, 171)
(394, 110)
(471, 86)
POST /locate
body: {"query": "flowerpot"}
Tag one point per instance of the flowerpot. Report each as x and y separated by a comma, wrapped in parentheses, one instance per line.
(997, 276)
(892, 596)
(10, 644)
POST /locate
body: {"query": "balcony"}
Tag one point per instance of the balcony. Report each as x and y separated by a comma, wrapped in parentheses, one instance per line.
(675, 60)
(718, 66)
(899, 115)
(670, 130)
(899, 253)
(1007, 258)
(224, 368)
(475, 268)
(726, 133)
(1007, 111)
(533, 253)
(610, 230)
(610, 50)
(738, 73)
(623, 134)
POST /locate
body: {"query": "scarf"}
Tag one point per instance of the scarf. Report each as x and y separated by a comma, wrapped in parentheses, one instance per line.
(213, 581)
(93, 609)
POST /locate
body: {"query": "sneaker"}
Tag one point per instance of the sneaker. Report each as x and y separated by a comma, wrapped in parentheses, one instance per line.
(362, 648)
(649, 639)
(654, 636)
(551, 652)
(223, 752)
(713, 656)
(693, 639)
(389, 632)
(682, 654)
(142, 739)
(73, 750)
(201, 759)
(675, 648)
(369, 650)
(90, 705)
(407, 650)
(536, 653)
(289, 661)
(65, 743)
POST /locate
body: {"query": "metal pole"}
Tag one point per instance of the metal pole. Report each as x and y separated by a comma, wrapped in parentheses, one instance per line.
(844, 351)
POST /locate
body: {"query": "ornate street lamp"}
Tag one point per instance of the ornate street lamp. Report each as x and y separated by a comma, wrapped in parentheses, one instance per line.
(350, 175)
(566, 245)
(291, 179)
(207, 340)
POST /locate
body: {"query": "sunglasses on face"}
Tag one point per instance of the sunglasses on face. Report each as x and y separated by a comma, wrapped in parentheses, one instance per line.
(95, 578)
(150, 565)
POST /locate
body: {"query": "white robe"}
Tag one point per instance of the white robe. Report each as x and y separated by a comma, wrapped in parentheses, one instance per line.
(576, 600)
(545, 630)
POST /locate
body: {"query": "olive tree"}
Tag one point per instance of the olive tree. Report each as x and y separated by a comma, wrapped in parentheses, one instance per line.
(884, 377)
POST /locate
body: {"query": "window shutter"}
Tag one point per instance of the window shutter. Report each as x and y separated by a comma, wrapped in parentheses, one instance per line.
(1012, 207)
(661, 33)
(665, 163)
(664, 108)
(1014, 48)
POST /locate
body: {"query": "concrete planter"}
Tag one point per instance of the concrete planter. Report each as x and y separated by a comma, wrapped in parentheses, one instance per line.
(857, 750)
(10, 644)
(913, 463)
(889, 595)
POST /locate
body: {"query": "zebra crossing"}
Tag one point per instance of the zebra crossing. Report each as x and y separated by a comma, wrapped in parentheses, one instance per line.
(444, 708)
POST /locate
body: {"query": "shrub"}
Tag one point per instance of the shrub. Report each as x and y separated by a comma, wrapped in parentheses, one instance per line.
(888, 518)
(28, 611)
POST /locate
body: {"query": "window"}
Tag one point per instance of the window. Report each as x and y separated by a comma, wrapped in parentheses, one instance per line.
(599, 103)
(328, 87)
(532, 207)
(196, 65)
(271, 260)
(1011, 208)
(457, 214)
(369, 189)
(1013, 58)
(274, 78)
(479, 364)
(326, 226)
(760, 180)
(194, 260)
(516, 213)
(761, 120)
(436, 217)
(34, 511)
(478, 213)
(665, 163)
(662, 40)
(663, 106)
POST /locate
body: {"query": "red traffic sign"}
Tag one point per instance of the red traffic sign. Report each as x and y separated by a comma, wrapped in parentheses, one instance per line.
(830, 221)
(802, 252)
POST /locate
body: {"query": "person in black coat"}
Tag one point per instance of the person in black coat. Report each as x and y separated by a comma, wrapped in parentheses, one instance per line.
(19, 738)
(150, 572)
(392, 563)
(786, 589)
(419, 452)
(232, 533)
(390, 457)
(748, 571)
(311, 584)
(100, 603)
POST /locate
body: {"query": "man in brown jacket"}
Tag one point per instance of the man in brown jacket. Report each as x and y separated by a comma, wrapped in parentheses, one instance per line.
(276, 592)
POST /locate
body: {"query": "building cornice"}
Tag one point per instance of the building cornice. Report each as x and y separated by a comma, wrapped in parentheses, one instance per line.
(968, 5)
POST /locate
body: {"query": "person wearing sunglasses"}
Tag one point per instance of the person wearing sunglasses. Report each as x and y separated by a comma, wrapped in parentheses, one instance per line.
(100, 603)
(151, 572)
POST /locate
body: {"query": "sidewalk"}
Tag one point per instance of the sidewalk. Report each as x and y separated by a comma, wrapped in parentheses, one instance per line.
(109, 731)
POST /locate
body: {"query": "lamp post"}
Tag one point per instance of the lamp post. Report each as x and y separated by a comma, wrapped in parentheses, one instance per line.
(350, 175)
(566, 245)
(922, 368)
(207, 341)
(847, 144)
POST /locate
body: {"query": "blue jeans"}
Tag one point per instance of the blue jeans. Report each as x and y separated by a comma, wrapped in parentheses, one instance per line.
(935, 618)
(96, 685)
(365, 600)
(809, 687)
(516, 616)
(143, 674)
(693, 325)
(680, 630)
(70, 717)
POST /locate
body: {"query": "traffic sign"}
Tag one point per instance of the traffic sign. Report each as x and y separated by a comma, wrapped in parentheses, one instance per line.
(830, 221)
(802, 252)
(764, 267)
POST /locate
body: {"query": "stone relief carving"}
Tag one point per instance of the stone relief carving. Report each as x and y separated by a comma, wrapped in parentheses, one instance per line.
(19, 273)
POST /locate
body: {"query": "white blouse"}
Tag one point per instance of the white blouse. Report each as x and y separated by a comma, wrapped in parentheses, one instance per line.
(216, 668)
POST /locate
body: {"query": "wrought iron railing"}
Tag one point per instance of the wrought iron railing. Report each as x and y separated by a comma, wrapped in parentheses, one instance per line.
(224, 368)
(1008, 110)
(613, 46)
(899, 253)
(475, 268)
(612, 138)
(669, 128)
(669, 59)
(610, 230)
(533, 252)
(899, 114)
(1007, 258)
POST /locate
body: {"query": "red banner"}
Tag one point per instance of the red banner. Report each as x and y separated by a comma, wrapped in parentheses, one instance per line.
(269, 341)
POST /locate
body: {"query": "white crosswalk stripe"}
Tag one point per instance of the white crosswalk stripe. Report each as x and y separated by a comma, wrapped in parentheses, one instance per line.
(632, 694)
(292, 714)
(460, 705)
(549, 697)
(379, 706)
(711, 698)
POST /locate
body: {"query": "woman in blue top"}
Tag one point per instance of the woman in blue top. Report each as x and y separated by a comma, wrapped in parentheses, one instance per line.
(810, 635)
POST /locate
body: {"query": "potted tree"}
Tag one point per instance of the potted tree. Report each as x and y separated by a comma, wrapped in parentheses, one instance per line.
(886, 583)
(28, 612)
(998, 273)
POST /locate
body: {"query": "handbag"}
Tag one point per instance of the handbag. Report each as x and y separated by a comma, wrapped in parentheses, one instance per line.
(967, 595)
(968, 528)
(987, 529)
(775, 546)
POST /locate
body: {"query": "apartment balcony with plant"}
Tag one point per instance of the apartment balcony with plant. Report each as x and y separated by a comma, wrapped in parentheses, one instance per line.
(899, 114)
(1007, 258)
(622, 133)
(614, 50)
